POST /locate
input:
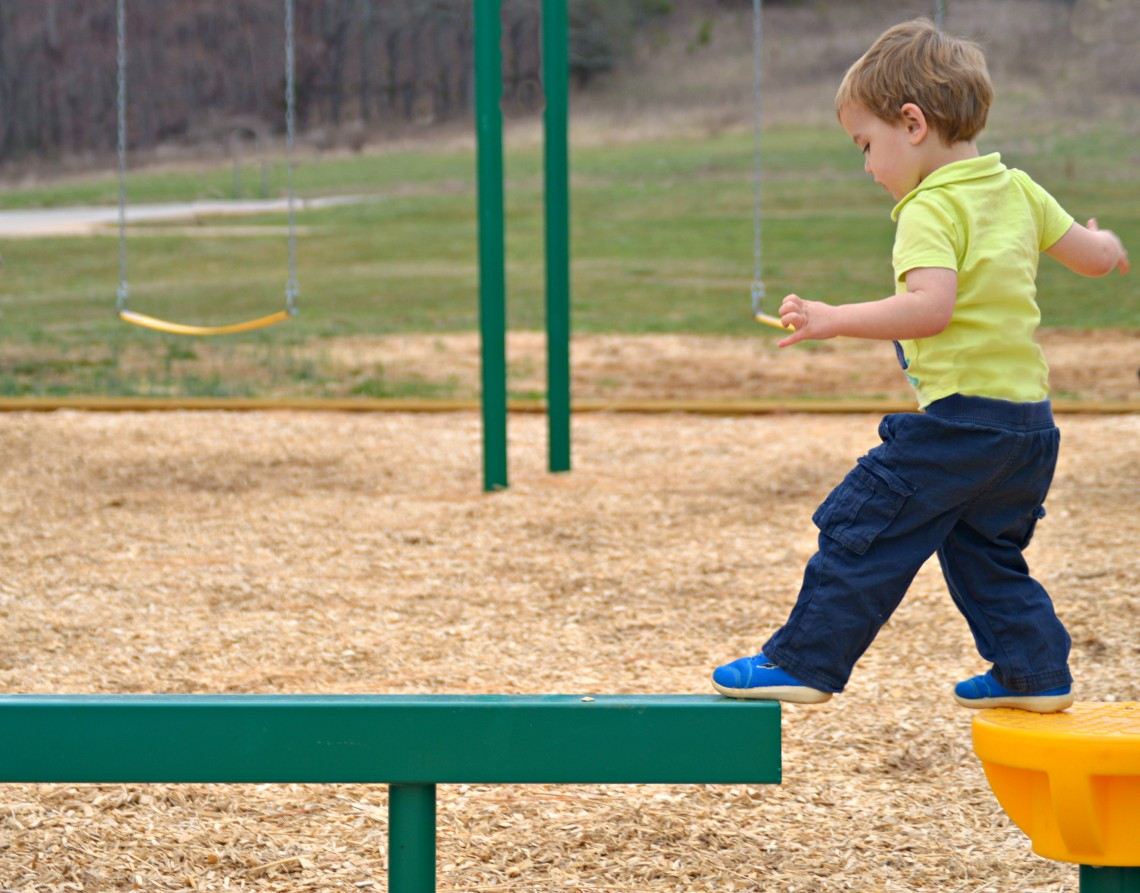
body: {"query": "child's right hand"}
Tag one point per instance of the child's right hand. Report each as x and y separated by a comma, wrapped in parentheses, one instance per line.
(1090, 250)
(1122, 265)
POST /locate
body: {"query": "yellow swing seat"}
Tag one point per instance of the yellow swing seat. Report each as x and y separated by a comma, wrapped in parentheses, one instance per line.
(773, 321)
(177, 328)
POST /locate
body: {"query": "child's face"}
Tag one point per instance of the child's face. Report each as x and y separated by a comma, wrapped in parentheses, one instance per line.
(890, 150)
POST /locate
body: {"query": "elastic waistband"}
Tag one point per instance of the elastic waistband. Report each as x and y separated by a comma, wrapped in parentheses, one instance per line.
(1001, 413)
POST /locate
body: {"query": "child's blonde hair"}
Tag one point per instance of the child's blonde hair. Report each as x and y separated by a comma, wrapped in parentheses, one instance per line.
(944, 76)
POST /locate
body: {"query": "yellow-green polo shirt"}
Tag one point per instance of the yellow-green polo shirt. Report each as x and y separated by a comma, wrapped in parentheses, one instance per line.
(990, 223)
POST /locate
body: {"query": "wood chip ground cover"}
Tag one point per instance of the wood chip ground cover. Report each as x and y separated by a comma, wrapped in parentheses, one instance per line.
(274, 552)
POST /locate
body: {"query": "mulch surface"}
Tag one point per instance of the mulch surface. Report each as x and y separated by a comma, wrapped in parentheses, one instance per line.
(323, 552)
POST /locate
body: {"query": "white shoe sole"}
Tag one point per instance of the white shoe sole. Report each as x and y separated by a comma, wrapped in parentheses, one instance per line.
(1032, 703)
(795, 694)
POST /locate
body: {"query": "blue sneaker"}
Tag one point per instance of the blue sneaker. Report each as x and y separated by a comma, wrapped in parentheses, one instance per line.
(985, 691)
(760, 679)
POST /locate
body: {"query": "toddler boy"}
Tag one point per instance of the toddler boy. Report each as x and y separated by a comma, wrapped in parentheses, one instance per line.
(967, 477)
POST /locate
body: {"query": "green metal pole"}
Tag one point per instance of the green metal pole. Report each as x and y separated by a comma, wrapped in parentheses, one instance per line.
(411, 838)
(492, 243)
(1109, 880)
(556, 82)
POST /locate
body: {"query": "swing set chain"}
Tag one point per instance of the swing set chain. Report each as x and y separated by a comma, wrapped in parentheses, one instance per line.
(121, 303)
(291, 288)
(757, 225)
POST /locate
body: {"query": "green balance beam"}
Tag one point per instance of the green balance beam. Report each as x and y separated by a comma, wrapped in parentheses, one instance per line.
(410, 742)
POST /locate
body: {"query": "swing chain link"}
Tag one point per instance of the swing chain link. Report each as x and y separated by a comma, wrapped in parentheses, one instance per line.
(292, 290)
(757, 224)
(121, 302)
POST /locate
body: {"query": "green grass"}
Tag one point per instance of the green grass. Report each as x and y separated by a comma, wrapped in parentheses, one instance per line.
(662, 242)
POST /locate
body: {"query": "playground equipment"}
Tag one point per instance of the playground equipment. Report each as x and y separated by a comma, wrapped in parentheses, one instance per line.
(492, 251)
(291, 287)
(492, 257)
(1071, 782)
(412, 743)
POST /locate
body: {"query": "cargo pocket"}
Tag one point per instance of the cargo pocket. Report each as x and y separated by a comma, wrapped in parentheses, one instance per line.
(859, 509)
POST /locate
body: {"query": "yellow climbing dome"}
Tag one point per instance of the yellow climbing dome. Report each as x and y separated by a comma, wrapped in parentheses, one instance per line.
(1070, 781)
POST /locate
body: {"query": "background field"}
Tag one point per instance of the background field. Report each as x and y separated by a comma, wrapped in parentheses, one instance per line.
(661, 205)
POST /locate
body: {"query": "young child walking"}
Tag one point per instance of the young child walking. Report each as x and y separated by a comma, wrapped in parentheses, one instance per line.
(967, 477)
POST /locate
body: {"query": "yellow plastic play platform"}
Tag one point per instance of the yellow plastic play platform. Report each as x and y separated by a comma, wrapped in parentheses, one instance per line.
(1071, 782)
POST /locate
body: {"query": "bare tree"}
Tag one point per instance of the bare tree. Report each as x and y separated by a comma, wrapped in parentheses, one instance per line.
(201, 70)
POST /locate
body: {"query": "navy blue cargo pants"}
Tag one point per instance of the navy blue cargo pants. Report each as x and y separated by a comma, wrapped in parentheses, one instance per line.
(966, 479)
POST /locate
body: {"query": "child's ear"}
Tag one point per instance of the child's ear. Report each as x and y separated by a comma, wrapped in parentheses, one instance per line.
(914, 120)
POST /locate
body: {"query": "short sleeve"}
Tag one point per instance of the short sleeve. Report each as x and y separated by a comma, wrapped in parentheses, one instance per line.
(1056, 220)
(926, 236)
(1053, 220)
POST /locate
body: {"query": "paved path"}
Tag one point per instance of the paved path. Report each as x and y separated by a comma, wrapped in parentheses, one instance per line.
(80, 221)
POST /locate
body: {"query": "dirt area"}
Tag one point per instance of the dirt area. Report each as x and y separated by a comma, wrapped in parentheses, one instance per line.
(322, 552)
(1086, 367)
(1095, 365)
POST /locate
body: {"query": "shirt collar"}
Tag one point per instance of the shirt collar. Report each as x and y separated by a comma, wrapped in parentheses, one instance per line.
(955, 172)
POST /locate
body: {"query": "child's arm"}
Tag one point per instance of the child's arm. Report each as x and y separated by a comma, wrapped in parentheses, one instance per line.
(1090, 251)
(924, 310)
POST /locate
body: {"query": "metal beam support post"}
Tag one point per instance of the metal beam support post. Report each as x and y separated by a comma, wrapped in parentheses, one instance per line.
(1109, 880)
(555, 79)
(492, 242)
(411, 838)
